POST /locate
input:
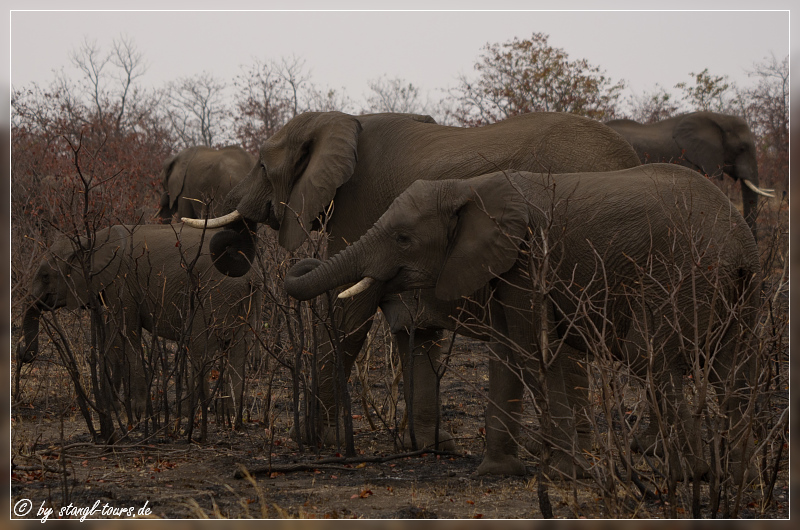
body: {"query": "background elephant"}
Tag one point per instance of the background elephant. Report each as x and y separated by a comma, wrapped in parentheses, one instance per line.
(201, 173)
(362, 163)
(708, 142)
(141, 273)
(656, 249)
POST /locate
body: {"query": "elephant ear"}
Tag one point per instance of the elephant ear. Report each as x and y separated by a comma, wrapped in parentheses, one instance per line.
(175, 176)
(110, 246)
(701, 140)
(490, 223)
(329, 156)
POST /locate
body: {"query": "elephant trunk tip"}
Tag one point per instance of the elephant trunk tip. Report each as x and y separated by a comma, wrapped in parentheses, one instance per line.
(27, 353)
(294, 283)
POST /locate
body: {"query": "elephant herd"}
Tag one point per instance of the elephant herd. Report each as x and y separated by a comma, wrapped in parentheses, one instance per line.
(535, 233)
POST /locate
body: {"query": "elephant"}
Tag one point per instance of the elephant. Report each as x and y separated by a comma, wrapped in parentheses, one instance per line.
(361, 164)
(151, 277)
(200, 174)
(709, 142)
(655, 250)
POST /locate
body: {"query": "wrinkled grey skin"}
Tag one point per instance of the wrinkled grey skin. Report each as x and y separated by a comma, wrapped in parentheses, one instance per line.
(708, 142)
(137, 271)
(465, 238)
(362, 163)
(204, 174)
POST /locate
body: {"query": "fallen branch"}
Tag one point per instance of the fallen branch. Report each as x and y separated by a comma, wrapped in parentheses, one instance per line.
(335, 463)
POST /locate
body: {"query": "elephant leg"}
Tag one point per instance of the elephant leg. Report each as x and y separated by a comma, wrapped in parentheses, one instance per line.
(677, 430)
(635, 350)
(421, 374)
(234, 378)
(734, 391)
(136, 377)
(198, 388)
(125, 361)
(568, 399)
(568, 395)
(506, 390)
(352, 320)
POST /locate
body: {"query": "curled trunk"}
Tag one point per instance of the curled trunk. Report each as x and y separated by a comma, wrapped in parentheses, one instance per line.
(310, 278)
(233, 249)
(27, 350)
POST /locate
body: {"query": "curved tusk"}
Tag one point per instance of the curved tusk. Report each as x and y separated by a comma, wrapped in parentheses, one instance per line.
(766, 192)
(216, 222)
(360, 287)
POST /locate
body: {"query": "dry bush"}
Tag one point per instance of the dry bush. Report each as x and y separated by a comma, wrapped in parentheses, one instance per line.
(628, 398)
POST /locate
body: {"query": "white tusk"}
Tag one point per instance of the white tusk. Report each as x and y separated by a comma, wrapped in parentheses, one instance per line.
(361, 286)
(213, 223)
(766, 192)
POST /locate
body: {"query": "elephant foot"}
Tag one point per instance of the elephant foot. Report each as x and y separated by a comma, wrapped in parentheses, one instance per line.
(427, 440)
(742, 473)
(566, 464)
(327, 435)
(138, 407)
(698, 467)
(501, 465)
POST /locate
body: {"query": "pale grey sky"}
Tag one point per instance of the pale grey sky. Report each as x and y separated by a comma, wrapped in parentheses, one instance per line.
(428, 49)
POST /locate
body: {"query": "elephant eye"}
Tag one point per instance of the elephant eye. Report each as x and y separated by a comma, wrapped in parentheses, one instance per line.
(402, 239)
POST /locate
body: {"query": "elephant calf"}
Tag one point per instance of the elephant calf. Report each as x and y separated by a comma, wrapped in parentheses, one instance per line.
(654, 256)
(150, 277)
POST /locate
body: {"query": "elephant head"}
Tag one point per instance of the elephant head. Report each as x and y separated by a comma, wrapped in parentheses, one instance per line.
(294, 180)
(60, 280)
(709, 142)
(291, 185)
(718, 143)
(451, 235)
(197, 174)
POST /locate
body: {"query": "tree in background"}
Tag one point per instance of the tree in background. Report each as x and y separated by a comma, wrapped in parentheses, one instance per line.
(653, 106)
(196, 110)
(100, 133)
(114, 91)
(271, 92)
(393, 95)
(529, 75)
(768, 113)
(709, 92)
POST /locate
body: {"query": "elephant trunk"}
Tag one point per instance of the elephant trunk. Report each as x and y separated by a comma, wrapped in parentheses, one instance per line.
(233, 249)
(250, 200)
(746, 171)
(310, 278)
(165, 213)
(27, 350)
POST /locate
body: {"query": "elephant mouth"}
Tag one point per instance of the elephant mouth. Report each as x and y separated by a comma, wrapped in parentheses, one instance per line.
(48, 303)
(272, 221)
(406, 279)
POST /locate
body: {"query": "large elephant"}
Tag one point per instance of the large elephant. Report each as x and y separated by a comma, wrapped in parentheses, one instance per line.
(149, 277)
(361, 164)
(200, 174)
(708, 142)
(655, 251)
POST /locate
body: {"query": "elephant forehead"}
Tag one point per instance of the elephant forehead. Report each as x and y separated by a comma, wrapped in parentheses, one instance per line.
(420, 198)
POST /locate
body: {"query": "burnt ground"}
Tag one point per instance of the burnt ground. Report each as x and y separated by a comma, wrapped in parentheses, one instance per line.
(179, 479)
